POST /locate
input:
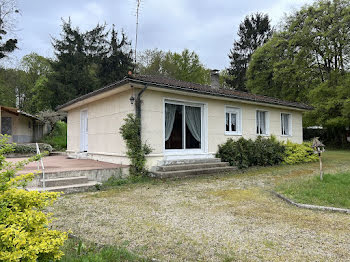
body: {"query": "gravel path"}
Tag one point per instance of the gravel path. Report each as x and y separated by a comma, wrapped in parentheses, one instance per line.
(227, 218)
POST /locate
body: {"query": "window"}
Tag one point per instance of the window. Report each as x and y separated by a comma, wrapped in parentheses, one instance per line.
(233, 121)
(286, 124)
(262, 122)
(183, 126)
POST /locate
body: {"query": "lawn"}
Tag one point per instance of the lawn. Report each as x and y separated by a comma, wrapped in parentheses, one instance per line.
(231, 217)
(78, 251)
(333, 191)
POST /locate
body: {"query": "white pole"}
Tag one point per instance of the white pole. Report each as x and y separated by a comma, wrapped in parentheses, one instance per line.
(42, 164)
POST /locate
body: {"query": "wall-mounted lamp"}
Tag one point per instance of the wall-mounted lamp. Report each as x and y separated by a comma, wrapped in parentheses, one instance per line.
(132, 100)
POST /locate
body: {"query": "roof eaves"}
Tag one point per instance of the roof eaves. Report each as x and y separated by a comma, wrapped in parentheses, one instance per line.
(188, 89)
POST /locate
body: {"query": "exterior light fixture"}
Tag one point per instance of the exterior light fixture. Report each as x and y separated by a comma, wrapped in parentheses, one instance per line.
(132, 100)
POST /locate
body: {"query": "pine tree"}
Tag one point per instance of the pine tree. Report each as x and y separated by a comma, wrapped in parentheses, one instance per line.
(118, 60)
(253, 32)
(77, 62)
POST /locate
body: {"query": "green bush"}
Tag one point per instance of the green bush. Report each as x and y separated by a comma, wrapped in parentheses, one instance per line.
(30, 148)
(58, 137)
(25, 231)
(299, 153)
(244, 153)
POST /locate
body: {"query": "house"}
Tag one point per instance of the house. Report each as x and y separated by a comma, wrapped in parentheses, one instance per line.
(21, 126)
(181, 121)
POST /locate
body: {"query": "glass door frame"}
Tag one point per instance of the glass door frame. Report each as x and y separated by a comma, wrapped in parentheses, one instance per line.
(203, 143)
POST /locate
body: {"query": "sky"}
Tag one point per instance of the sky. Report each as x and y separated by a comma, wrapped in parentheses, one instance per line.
(206, 27)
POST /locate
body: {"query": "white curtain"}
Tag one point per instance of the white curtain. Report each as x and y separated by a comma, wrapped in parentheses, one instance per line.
(285, 123)
(193, 121)
(170, 110)
(233, 122)
(261, 123)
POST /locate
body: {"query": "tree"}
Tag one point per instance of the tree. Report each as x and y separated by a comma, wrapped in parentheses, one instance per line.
(118, 60)
(85, 61)
(309, 61)
(184, 66)
(74, 69)
(253, 32)
(150, 62)
(275, 71)
(38, 95)
(8, 11)
(8, 82)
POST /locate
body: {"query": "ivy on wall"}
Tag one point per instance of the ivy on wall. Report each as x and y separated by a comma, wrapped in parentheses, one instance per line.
(136, 150)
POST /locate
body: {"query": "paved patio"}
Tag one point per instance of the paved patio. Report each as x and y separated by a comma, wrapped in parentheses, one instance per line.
(63, 163)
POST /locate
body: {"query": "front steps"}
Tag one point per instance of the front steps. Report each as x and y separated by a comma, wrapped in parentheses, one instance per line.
(183, 168)
(72, 188)
(67, 182)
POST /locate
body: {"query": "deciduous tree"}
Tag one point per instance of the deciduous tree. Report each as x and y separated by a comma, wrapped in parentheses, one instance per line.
(184, 66)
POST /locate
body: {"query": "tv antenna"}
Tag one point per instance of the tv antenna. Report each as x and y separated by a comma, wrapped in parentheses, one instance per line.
(138, 4)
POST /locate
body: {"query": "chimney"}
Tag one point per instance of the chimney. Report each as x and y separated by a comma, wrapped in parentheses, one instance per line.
(214, 79)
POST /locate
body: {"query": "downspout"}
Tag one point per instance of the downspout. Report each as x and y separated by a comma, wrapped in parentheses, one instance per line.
(138, 105)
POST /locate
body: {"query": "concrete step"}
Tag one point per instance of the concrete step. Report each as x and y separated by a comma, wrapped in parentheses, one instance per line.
(191, 161)
(193, 172)
(69, 188)
(66, 181)
(180, 167)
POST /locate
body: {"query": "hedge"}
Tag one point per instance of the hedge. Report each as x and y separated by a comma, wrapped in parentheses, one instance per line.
(244, 153)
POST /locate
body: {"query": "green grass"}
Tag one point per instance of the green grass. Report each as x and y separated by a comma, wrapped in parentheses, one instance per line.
(77, 251)
(114, 181)
(333, 191)
(58, 137)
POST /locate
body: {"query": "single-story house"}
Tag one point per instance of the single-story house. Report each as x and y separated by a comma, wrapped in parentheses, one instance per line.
(179, 120)
(21, 126)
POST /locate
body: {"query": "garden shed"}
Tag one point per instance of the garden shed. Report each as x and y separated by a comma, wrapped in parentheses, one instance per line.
(21, 126)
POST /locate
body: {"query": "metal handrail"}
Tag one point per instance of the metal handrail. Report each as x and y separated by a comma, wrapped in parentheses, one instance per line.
(42, 164)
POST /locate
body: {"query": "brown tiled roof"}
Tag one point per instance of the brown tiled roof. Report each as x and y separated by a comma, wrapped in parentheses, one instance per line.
(206, 89)
(170, 83)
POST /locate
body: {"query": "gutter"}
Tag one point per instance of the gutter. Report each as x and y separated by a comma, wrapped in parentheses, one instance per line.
(138, 105)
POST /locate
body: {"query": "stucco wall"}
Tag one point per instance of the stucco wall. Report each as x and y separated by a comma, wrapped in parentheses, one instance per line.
(22, 128)
(105, 117)
(152, 121)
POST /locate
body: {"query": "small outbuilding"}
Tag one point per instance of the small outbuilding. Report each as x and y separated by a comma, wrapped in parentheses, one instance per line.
(21, 126)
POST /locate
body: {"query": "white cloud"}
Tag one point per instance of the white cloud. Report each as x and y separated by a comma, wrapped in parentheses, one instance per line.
(207, 27)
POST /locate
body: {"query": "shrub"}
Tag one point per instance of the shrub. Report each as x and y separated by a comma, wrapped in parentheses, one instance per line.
(246, 152)
(30, 148)
(24, 231)
(267, 151)
(58, 137)
(299, 153)
(136, 150)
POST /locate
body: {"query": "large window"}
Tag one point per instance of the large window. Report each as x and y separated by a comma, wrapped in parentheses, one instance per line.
(233, 121)
(262, 127)
(286, 124)
(183, 126)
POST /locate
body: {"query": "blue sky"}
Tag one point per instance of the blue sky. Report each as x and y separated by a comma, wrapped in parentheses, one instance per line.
(206, 27)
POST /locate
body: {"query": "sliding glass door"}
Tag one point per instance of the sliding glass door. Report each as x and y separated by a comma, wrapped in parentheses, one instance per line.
(183, 126)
